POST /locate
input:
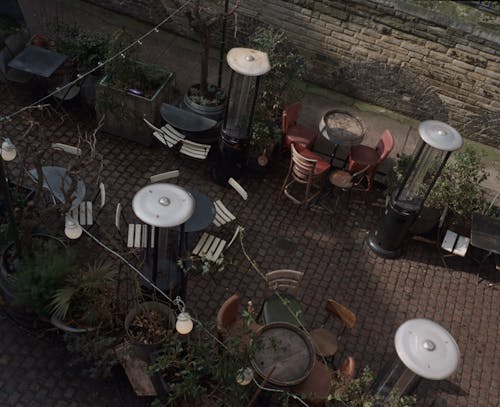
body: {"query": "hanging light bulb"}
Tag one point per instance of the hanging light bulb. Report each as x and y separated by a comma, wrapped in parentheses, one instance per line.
(184, 323)
(156, 30)
(244, 376)
(139, 42)
(72, 228)
(9, 151)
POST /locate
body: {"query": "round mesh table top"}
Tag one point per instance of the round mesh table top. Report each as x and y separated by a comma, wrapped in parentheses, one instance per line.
(163, 205)
(342, 128)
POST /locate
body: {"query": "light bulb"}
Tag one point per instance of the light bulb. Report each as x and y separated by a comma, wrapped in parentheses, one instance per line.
(244, 376)
(184, 323)
(72, 228)
(9, 151)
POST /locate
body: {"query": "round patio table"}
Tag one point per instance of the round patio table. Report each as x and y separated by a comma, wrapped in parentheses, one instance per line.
(341, 128)
(164, 206)
(284, 356)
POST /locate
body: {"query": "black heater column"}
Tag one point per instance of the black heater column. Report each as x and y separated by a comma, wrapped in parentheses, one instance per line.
(247, 66)
(437, 142)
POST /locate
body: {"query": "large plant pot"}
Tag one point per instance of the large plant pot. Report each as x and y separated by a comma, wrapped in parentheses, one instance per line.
(7, 285)
(140, 349)
(124, 111)
(212, 112)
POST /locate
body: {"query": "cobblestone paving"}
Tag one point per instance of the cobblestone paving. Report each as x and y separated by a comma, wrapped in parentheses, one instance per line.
(330, 249)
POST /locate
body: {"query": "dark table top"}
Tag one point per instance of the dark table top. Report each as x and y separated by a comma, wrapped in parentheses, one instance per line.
(485, 233)
(184, 120)
(286, 349)
(204, 212)
(38, 61)
(53, 179)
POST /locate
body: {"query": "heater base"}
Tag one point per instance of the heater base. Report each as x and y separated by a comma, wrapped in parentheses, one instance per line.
(380, 251)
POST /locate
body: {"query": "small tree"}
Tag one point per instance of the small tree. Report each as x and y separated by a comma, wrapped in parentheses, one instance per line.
(202, 17)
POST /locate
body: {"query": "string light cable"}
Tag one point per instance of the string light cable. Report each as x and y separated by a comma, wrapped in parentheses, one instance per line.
(138, 41)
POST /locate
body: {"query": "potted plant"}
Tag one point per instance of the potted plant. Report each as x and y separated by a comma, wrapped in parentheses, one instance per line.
(147, 326)
(458, 189)
(204, 98)
(199, 372)
(278, 88)
(130, 92)
(85, 300)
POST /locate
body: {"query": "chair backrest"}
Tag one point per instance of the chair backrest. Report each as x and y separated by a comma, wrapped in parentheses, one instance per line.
(15, 43)
(341, 312)
(118, 215)
(302, 167)
(348, 368)
(228, 313)
(67, 149)
(164, 176)
(284, 280)
(385, 145)
(102, 193)
(238, 188)
(290, 116)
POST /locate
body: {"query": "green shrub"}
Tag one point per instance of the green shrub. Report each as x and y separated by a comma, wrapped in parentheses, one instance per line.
(40, 275)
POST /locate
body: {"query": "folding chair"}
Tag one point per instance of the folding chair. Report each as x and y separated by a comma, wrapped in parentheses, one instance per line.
(164, 176)
(137, 233)
(84, 212)
(455, 244)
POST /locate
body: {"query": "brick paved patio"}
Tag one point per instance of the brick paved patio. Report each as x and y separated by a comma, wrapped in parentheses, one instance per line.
(331, 250)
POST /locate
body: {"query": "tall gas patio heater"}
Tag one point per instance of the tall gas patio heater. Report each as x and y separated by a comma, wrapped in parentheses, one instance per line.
(424, 350)
(247, 65)
(437, 141)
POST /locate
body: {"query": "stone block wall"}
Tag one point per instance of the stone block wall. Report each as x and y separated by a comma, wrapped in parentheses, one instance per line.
(391, 53)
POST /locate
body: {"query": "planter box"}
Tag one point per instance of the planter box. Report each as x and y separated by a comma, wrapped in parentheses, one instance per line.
(124, 112)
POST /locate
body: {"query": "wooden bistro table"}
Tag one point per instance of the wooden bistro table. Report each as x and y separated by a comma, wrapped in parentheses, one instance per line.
(284, 356)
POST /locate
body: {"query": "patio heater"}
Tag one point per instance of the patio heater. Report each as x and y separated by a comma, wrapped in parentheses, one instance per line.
(437, 141)
(247, 65)
(424, 350)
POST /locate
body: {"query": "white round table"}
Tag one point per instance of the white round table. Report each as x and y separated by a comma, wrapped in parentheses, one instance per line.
(164, 206)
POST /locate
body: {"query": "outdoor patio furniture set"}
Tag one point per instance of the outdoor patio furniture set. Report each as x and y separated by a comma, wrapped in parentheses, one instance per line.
(288, 356)
(309, 169)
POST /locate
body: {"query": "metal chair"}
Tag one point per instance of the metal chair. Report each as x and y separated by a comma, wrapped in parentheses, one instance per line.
(293, 132)
(308, 169)
(316, 388)
(345, 181)
(281, 304)
(361, 156)
(137, 233)
(326, 341)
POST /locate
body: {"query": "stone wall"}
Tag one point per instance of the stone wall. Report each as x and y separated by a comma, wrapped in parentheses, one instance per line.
(391, 53)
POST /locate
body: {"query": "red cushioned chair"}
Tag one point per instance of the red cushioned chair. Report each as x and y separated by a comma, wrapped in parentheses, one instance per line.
(362, 156)
(316, 388)
(228, 323)
(294, 132)
(305, 168)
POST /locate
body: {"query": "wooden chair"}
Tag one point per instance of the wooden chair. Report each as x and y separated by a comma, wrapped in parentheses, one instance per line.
(455, 245)
(84, 213)
(326, 341)
(210, 247)
(164, 176)
(316, 388)
(293, 132)
(305, 168)
(345, 181)
(228, 323)
(174, 139)
(348, 368)
(222, 214)
(137, 233)
(283, 284)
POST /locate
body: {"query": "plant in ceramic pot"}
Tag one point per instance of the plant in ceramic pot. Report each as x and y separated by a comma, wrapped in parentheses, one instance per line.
(130, 92)
(86, 299)
(203, 17)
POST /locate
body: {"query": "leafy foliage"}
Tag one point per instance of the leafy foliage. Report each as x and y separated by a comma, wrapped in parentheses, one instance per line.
(199, 372)
(85, 296)
(39, 276)
(458, 186)
(287, 66)
(87, 49)
(358, 392)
